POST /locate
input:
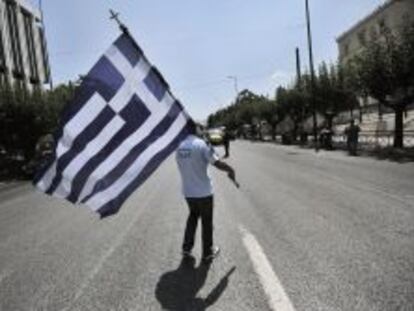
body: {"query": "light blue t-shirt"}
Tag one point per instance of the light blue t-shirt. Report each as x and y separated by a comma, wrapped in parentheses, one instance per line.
(193, 157)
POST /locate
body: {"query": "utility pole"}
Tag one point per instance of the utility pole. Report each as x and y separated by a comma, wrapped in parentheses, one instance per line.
(298, 70)
(234, 78)
(299, 86)
(312, 73)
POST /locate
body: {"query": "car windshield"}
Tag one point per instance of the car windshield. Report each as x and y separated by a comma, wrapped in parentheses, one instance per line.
(215, 132)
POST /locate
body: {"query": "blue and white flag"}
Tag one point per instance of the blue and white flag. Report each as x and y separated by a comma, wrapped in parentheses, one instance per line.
(123, 123)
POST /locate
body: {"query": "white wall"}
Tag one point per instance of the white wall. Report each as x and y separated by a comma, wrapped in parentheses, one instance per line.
(23, 43)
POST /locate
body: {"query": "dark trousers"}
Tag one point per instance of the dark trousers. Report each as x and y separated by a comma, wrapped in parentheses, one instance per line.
(352, 147)
(227, 148)
(199, 208)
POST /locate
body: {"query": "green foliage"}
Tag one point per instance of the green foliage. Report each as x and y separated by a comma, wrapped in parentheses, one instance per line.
(27, 116)
(248, 107)
(385, 72)
(333, 93)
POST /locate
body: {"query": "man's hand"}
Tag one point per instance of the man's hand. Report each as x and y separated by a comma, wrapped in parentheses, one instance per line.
(232, 176)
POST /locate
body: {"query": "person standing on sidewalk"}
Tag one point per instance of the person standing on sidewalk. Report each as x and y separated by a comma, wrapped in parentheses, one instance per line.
(193, 157)
(226, 143)
(352, 132)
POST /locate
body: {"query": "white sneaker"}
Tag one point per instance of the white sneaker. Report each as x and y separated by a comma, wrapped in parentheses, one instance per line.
(186, 253)
(215, 251)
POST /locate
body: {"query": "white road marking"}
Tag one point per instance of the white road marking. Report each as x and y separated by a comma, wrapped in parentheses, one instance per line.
(276, 295)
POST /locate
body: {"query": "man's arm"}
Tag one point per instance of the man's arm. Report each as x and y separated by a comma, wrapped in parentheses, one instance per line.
(223, 166)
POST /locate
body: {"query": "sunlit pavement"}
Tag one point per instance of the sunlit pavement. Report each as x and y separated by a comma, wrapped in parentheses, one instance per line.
(305, 231)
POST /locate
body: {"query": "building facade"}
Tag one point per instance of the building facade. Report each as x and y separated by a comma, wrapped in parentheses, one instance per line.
(23, 52)
(392, 15)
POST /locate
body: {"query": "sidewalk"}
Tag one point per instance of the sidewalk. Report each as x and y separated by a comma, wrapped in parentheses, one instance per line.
(364, 151)
(386, 153)
(9, 185)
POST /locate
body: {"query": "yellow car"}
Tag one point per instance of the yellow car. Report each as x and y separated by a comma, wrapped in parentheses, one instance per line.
(215, 136)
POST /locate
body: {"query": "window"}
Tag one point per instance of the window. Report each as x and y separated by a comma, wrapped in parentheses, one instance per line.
(382, 26)
(373, 33)
(362, 38)
(45, 60)
(30, 47)
(3, 67)
(17, 67)
(346, 49)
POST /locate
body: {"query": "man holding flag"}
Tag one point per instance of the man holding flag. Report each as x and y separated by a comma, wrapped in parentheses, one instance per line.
(193, 157)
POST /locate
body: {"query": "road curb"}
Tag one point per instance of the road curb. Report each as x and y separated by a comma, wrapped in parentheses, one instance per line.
(6, 186)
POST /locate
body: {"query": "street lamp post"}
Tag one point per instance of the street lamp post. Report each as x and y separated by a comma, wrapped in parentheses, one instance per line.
(312, 73)
(234, 78)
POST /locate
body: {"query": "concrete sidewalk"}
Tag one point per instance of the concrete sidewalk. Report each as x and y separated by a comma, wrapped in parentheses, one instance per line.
(10, 185)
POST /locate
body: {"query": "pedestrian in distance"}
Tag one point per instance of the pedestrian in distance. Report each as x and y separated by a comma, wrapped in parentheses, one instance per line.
(226, 143)
(352, 133)
(326, 138)
(193, 157)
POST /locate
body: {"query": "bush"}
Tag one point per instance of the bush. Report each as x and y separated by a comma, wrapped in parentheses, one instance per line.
(24, 118)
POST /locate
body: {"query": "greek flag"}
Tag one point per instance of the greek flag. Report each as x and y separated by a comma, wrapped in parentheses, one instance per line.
(122, 124)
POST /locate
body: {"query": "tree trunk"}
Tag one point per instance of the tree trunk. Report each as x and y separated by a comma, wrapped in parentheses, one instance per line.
(399, 128)
(379, 111)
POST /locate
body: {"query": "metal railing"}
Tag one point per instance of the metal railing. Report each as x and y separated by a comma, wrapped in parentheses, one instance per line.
(376, 139)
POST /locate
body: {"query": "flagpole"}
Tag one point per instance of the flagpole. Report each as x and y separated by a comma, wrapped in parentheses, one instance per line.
(115, 17)
(124, 29)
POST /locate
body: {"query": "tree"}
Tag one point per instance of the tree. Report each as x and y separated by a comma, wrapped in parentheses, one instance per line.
(385, 70)
(247, 107)
(332, 93)
(27, 116)
(291, 105)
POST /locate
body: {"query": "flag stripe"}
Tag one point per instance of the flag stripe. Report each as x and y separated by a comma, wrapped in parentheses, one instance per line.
(79, 143)
(113, 206)
(44, 182)
(156, 84)
(72, 128)
(80, 122)
(135, 113)
(92, 149)
(131, 52)
(104, 78)
(115, 157)
(135, 152)
(106, 195)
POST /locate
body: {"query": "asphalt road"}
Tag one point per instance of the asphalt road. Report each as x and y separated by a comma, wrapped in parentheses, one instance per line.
(304, 232)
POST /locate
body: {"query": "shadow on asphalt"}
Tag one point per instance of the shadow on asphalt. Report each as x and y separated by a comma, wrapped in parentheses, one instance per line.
(177, 290)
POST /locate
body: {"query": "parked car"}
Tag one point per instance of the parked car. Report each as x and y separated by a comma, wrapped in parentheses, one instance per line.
(215, 136)
(44, 149)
